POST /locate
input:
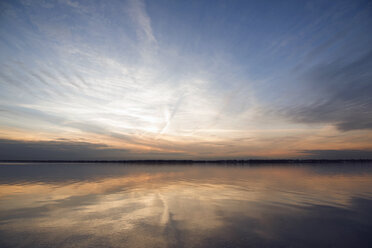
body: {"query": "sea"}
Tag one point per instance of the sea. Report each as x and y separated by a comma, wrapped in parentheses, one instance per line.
(185, 205)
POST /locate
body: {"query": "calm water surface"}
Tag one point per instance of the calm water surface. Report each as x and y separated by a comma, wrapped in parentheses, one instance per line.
(113, 205)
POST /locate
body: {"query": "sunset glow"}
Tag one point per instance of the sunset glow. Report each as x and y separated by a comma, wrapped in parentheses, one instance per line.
(185, 80)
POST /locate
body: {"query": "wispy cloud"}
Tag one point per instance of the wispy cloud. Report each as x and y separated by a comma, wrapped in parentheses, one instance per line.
(175, 78)
(341, 94)
(137, 12)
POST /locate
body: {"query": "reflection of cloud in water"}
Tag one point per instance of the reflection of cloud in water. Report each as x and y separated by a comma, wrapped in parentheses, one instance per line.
(188, 206)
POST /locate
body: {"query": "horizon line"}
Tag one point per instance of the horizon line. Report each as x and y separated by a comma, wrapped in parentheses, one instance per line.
(188, 161)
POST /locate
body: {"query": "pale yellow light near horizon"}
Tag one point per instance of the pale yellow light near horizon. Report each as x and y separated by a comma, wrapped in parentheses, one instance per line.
(132, 87)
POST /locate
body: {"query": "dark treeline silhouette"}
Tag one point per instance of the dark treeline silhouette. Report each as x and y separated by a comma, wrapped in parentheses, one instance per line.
(228, 161)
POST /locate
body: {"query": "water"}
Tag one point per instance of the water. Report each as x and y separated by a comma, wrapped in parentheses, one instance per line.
(115, 205)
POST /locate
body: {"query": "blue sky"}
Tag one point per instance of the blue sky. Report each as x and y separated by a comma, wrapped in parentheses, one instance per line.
(185, 79)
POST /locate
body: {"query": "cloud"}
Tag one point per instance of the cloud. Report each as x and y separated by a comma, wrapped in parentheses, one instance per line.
(138, 14)
(149, 77)
(339, 93)
(337, 154)
(64, 149)
(34, 150)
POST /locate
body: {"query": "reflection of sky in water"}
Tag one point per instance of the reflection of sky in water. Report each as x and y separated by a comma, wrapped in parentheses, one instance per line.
(93, 205)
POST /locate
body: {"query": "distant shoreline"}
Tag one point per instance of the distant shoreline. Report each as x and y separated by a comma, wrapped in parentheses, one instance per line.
(227, 161)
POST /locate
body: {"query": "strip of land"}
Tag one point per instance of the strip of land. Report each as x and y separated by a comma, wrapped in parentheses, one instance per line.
(229, 161)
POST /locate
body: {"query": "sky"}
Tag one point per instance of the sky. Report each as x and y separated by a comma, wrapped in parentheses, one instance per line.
(185, 79)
